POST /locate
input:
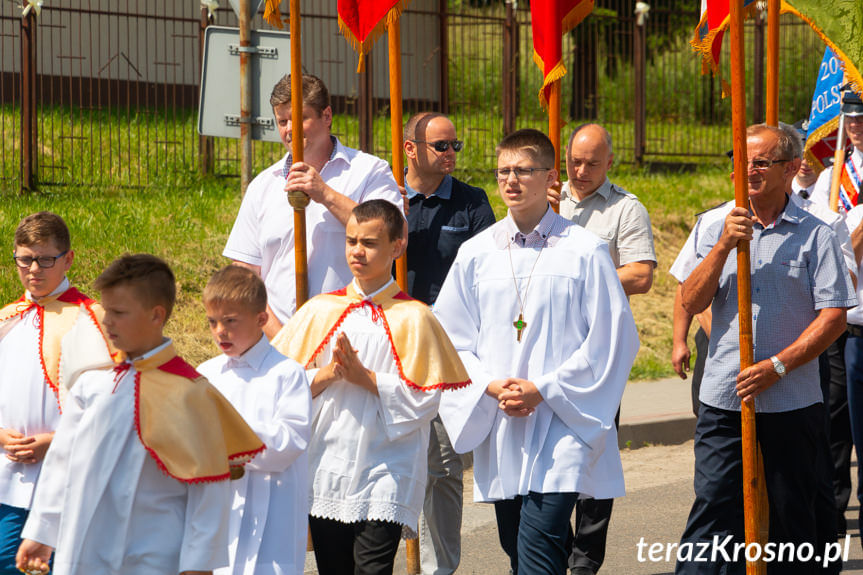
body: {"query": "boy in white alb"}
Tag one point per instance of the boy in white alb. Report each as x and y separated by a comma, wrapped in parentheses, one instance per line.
(377, 360)
(39, 334)
(136, 479)
(269, 518)
(536, 310)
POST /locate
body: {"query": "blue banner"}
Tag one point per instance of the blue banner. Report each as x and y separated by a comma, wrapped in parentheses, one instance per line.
(824, 114)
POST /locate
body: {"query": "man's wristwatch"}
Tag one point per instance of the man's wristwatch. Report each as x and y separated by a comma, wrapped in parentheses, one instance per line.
(778, 367)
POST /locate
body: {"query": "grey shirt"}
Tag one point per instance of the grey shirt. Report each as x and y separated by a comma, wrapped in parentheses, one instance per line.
(796, 269)
(617, 217)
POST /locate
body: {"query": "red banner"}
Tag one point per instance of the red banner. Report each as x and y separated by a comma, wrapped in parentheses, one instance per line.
(363, 21)
(550, 20)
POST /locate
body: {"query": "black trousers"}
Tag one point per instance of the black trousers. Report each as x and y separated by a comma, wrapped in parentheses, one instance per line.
(702, 343)
(592, 517)
(834, 385)
(363, 548)
(789, 443)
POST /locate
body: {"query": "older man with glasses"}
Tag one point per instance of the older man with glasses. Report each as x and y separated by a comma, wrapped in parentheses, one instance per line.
(443, 212)
(800, 290)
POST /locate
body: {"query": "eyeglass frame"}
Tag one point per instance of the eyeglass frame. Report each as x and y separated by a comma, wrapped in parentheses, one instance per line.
(751, 166)
(457, 145)
(52, 259)
(518, 171)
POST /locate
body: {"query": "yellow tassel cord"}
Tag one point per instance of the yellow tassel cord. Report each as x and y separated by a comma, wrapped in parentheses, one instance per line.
(365, 47)
(272, 15)
(570, 21)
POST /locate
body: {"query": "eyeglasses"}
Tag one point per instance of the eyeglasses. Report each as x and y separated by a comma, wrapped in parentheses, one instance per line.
(45, 262)
(761, 164)
(502, 174)
(443, 145)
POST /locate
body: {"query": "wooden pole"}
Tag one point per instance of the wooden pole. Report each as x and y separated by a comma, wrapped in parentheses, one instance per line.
(772, 108)
(245, 18)
(28, 102)
(554, 128)
(838, 164)
(298, 199)
(394, 35)
(751, 508)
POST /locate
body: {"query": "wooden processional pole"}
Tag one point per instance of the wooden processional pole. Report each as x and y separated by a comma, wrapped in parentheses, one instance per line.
(554, 127)
(298, 199)
(772, 108)
(838, 163)
(751, 507)
(394, 36)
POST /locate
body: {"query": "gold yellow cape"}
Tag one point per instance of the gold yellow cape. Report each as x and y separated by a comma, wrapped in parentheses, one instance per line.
(192, 432)
(56, 317)
(425, 356)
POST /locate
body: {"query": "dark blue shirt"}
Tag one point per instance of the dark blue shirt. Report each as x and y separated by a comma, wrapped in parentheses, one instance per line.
(438, 225)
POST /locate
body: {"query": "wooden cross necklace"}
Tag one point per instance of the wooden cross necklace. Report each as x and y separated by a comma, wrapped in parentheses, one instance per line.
(519, 324)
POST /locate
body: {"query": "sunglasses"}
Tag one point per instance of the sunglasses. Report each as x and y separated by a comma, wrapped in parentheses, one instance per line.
(443, 145)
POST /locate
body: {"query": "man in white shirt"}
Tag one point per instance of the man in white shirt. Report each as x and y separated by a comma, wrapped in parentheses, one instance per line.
(336, 178)
(548, 348)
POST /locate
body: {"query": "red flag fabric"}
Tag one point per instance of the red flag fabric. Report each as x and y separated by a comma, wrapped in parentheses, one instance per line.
(550, 20)
(363, 21)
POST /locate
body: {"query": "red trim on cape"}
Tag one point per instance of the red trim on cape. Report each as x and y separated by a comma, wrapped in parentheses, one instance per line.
(341, 292)
(181, 365)
(380, 311)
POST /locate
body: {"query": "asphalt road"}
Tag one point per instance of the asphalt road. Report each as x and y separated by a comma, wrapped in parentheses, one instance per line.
(659, 494)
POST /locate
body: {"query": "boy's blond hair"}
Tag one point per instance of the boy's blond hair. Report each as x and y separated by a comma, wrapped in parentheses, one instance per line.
(42, 228)
(533, 143)
(238, 285)
(150, 277)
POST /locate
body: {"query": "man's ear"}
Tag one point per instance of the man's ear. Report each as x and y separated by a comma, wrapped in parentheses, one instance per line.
(410, 149)
(262, 318)
(327, 116)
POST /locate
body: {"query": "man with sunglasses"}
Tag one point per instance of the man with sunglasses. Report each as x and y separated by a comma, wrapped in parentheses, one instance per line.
(443, 212)
(592, 201)
(800, 290)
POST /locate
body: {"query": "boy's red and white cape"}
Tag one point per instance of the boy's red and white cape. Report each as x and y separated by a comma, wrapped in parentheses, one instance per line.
(192, 432)
(425, 356)
(71, 339)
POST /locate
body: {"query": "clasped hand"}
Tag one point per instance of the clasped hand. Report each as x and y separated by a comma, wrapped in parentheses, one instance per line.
(516, 397)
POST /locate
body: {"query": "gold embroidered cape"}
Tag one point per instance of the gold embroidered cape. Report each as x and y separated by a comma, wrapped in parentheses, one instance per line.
(425, 356)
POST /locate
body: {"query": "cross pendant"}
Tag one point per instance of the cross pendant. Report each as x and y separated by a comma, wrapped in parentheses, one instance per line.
(519, 325)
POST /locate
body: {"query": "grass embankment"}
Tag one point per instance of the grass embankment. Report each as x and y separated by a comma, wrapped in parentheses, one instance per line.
(188, 227)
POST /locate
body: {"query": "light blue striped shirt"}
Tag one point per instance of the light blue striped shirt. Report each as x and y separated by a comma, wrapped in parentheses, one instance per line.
(797, 269)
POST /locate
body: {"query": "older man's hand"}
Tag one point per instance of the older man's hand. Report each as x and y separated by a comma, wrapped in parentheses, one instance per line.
(755, 379)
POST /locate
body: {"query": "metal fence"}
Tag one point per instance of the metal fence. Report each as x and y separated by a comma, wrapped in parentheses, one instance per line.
(104, 92)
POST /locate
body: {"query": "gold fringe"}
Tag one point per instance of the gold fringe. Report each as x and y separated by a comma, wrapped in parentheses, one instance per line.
(852, 74)
(572, 19)
(272, 15)
(822, 132)
(558, 72)
(364, 47)
(704, 46)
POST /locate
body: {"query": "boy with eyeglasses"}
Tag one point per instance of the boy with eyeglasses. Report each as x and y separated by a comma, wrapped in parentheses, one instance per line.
(47, 337)
(542, 324)
(443, 212)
